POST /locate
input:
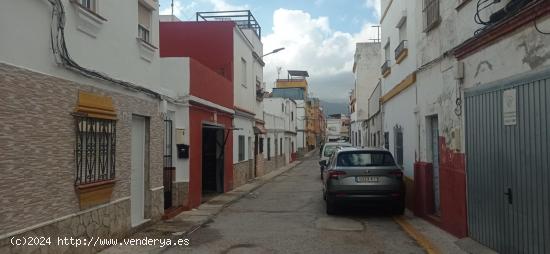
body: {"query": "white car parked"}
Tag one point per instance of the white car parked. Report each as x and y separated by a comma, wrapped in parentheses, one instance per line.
(328, 149)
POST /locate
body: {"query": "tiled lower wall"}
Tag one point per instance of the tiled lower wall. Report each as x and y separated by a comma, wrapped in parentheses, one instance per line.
(107, 221)
(37, 140)
(242, 172)
(274, 163)
(180, 191)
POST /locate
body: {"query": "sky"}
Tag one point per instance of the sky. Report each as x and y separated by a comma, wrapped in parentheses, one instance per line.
(318, 36)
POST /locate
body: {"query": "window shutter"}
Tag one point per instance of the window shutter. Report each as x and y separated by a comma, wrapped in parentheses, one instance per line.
(144, 16)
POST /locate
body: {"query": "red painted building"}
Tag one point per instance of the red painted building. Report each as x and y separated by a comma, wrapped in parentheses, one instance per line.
(210, 103)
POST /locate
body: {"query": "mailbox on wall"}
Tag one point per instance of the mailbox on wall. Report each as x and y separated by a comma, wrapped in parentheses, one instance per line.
(183, 149)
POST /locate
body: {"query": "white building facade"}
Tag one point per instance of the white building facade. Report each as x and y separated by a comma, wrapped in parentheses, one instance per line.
(468, 91)
(367, 75)
(90, 72)
(281, 125)
(399, 92)
(248, 77)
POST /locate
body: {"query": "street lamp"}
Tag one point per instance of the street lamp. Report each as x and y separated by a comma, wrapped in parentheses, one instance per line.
(274, 51)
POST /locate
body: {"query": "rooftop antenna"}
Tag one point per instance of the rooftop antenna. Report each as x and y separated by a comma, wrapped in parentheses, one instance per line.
(172, 6)
(377, 34)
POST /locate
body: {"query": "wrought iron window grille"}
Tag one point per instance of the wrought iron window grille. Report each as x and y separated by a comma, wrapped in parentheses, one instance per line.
(95, 151)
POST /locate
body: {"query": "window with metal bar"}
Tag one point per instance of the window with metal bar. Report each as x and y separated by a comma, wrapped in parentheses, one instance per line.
(398, 145)
(261, 146)
(431, 14)
(241, 148)
(144, 23)
(268, 149)
(88, 4)
(95, 150)
(168, 144)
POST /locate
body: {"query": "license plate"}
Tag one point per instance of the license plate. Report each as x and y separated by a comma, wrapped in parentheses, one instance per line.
(367, 179)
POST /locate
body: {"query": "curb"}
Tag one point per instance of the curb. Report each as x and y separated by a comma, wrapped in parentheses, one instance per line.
(420, 238)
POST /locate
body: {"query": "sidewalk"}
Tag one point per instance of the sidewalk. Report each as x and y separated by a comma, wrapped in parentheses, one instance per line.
(187, 222)
(435, 240)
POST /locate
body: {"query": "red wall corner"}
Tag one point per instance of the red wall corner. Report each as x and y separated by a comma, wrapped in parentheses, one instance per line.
(452, 177)
(197, 115)
(452, 186)
(423, 188)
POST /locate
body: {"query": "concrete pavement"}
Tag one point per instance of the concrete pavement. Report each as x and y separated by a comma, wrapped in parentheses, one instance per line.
(287, 215)
(283, 212)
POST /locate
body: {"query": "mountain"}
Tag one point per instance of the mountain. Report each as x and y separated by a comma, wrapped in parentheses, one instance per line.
(334, 107)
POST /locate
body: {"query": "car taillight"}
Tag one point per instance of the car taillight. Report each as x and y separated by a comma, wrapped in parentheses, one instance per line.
(397, 173)
(334, 174)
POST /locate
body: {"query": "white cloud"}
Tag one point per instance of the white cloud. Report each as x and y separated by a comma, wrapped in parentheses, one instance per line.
(223, 5)
(312, 45)
(181, 10)
(375, 5)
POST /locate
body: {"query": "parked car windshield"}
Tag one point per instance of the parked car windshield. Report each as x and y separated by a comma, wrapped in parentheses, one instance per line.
(365, 159)
(329, 149)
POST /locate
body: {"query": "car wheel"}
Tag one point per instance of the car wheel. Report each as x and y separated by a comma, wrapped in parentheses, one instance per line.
(331, 206)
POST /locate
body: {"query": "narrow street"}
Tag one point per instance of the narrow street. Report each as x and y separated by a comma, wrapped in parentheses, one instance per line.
(287, 215)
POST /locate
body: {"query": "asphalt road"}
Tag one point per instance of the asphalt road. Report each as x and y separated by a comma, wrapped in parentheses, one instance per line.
(287, 215)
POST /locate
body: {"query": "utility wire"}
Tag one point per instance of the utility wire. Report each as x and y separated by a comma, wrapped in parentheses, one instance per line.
(62, 56)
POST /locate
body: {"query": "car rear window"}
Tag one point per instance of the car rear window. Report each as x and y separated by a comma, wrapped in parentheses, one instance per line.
(365, 159)
(329, 149)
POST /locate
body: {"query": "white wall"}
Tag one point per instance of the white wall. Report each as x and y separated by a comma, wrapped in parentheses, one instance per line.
(390, 33)
(174, 83)
(438, 90)
(334, 127)
(398, 111)
(243, 127)
(180, 120)
(300, 124)
(175, 76)
(244, 43)
(367, 74)
(244, 87)
(114, 50)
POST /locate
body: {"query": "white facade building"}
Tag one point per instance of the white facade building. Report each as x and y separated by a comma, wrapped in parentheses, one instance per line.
(373, 124)
(366, 68)
(300, 125)
(281, 124)
(399, 92)
(67, 67)
(334, 127)
(248, 79)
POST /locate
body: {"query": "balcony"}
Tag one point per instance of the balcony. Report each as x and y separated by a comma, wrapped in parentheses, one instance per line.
(260, 94)
(386, 69)
(401, 52)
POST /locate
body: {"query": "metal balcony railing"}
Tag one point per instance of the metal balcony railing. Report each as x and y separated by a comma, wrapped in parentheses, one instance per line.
(385, 67)
(400, 48)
